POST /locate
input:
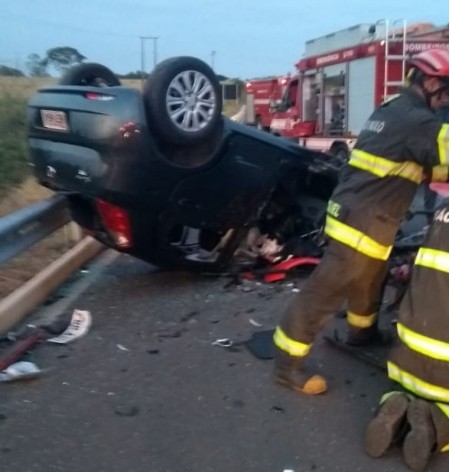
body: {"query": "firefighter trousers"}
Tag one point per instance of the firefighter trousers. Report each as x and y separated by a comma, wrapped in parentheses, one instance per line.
(343, 275)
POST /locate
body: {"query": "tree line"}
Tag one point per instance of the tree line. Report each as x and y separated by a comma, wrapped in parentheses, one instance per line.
(58, 58)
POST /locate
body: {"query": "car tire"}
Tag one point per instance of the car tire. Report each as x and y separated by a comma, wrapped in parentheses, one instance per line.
(90, 74)
(183, 101)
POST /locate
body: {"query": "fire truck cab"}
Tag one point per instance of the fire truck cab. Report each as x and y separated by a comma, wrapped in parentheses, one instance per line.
(262, 97)
(343, 76)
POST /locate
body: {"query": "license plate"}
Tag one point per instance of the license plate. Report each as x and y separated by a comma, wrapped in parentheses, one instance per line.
(56, 120)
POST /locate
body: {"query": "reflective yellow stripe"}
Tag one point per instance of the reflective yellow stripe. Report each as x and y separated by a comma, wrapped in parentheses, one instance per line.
(444, 408)
(442, 141)
(417, 386)
(382, 167)
(433, 259)
(423, 344)
(293, 348)
(361, 321)
(356, 239)
(439, 173)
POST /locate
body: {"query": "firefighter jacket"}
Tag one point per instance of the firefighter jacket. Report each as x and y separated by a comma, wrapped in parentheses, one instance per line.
(401, 140)
(420, 361)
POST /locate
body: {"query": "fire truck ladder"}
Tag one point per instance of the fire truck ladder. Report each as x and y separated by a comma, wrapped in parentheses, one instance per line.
(394, 33)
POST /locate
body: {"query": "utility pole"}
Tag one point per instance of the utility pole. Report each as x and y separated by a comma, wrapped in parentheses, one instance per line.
(155, 54)
(213, 55)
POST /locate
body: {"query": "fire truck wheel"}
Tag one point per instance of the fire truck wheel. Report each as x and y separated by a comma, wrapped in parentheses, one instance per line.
(183, 100)
(341, 152)
(90, 74)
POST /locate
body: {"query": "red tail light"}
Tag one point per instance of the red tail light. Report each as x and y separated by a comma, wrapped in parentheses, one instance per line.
(99, 96)
(116, 222)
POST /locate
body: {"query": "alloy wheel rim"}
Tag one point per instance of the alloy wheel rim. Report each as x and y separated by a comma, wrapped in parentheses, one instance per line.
(190, 101)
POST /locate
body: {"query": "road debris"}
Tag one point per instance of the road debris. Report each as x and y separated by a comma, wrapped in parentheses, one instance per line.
(22, 343)
(254, 323)
(228, 344)
(20, 371)
(79, 325)
(225, 342)
(126, 410)
(261, 344)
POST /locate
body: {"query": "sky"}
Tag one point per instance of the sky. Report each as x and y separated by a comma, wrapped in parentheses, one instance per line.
(239, 38)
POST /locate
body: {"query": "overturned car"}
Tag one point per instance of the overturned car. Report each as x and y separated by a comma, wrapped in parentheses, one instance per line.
(162, 175)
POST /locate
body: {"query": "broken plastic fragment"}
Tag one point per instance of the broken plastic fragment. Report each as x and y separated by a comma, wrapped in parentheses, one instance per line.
(20, 370)
(79, 325)
(225, 342)
(253, 322)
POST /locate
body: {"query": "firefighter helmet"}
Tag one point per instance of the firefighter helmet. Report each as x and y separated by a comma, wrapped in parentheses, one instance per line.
(433, 62)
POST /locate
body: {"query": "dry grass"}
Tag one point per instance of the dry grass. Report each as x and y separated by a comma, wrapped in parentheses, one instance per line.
(23, 87)
(25, 194)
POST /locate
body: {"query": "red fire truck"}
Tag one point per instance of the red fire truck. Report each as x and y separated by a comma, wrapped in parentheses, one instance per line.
(343, 77)
(262, 96)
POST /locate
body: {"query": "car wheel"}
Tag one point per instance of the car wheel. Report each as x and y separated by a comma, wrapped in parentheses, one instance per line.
(183, 100)
(90, 74)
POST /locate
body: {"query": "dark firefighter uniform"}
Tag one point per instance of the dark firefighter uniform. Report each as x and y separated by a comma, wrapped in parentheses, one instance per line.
(420, 362)
(401, 140)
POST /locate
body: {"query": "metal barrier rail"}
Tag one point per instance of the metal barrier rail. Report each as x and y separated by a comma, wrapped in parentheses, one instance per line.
(25, 227)
(22, 229)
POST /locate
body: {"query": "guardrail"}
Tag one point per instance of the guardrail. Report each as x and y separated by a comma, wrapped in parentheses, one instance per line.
(25, 227)
(22, 229)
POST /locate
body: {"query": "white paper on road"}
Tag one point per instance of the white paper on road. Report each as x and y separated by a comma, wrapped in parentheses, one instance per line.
(20, 370)
(79, 325)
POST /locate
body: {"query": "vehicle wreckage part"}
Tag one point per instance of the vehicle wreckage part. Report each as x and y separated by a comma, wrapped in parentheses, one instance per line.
(90, 74)
(183, 100)
(21, 346)
(278, 271)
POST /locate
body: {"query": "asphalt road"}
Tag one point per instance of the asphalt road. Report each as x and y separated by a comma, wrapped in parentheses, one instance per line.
(146, 391)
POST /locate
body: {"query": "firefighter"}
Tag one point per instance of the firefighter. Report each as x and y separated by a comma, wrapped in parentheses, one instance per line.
(420, 362)
(401, 139)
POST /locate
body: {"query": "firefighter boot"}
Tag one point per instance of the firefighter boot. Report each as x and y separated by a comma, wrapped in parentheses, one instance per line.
(420, 442)
(388, 426)
(287, 372)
